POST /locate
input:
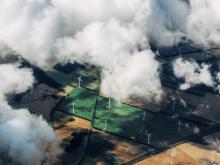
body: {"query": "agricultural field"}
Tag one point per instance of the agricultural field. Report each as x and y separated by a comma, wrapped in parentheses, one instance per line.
(148, 128)
(89, 76)
(79, 102)
(121, 119)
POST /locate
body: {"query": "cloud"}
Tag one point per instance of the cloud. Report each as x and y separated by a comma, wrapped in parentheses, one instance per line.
(110, 34)
(126, 71)
(137, 77)
(24, 137)
(58, 31)
(192, 73)
(41, 28)
(102, 44)
(203, 23)
(163, 21)
(14, 80)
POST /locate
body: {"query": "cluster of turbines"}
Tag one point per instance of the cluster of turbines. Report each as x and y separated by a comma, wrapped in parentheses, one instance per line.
(144, 116)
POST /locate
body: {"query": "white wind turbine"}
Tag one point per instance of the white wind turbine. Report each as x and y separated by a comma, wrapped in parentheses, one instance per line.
(66, 96)
(79, 81)
(148, 137)
(73, 106)
(105, 127)
(109, 104)
(172, 155)
(212, 158)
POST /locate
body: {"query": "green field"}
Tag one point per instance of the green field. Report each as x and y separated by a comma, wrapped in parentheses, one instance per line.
(121, 119)
(90, 77)
(60, 77)
(84, 103)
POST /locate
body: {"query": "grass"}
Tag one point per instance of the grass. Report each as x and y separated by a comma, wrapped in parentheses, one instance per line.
(121, 119)
(84, 103)
(90, 78)
(89, 75)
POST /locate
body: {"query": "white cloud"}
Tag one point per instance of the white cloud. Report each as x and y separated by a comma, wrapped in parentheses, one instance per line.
(192, 73)
(136, 77)
(39, 29)
(111, 34)
(203, 23)
(127, 72)
(24, 137)
(14, 80)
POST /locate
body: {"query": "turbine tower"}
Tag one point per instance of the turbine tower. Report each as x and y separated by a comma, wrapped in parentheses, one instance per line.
(148, 138)
(79, 81)
(105, 127)
(109, 104)
(73, 106)
(212, 158)
(172, 155)
(179, 126)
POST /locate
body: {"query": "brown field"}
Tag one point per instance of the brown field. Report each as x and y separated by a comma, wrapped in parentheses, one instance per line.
(109, 149)
(66, 90)
(64, 126)
(186, 154)
(181, 158)
(199, 153)
(104, 147)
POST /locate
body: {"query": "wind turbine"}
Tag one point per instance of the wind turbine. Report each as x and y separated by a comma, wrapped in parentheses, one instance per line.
(73, 106)
(212, 158)
(109, 104)
(179, 126)
(133, 138)
(144, 116)
(172, 155)
(145, 132)
(79, 81)
(105, 125)
(148, 137)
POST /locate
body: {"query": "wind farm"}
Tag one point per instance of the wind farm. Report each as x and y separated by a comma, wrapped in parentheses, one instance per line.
(109, 82)
(105, 121)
